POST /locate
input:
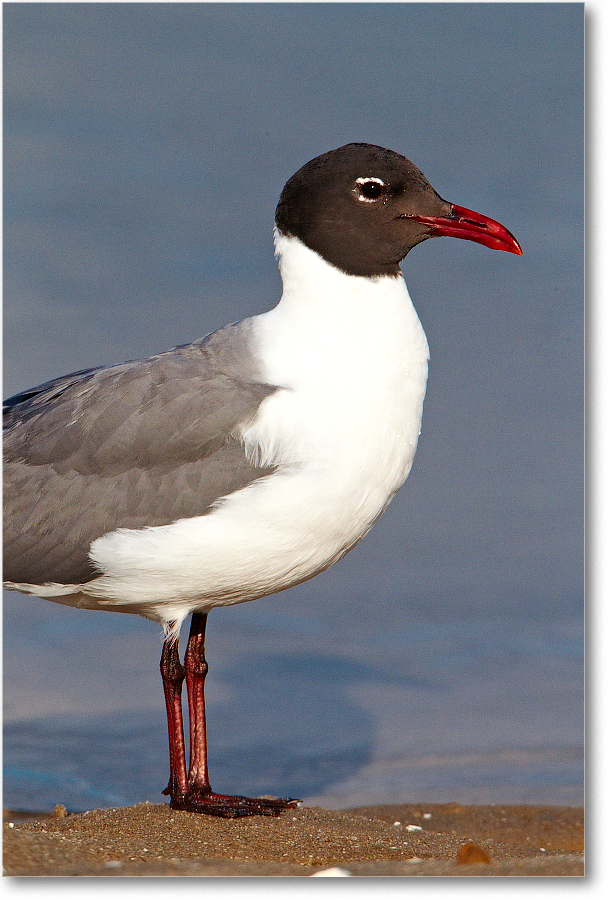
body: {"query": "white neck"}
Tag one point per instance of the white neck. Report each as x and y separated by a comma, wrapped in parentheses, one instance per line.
(315, 288)
(353, 357)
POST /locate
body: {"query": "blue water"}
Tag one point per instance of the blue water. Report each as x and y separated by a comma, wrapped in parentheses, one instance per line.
(437, 711)
(145, 149)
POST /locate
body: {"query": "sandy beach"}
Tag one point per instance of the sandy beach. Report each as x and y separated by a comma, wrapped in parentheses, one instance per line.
(413, 840)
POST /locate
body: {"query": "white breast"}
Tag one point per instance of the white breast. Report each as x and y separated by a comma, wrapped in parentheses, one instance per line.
(351, 358)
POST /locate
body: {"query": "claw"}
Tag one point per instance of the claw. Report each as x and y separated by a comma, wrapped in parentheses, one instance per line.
(231, 807)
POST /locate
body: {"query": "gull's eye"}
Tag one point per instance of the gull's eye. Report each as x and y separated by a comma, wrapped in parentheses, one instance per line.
(370, 189)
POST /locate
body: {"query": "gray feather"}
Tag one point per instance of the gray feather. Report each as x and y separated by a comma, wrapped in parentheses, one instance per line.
(143, 443)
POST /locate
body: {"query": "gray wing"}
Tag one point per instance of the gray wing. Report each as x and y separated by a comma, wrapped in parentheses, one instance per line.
(143, 443)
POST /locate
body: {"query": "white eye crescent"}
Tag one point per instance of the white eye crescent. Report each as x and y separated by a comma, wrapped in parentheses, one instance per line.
(370, 189)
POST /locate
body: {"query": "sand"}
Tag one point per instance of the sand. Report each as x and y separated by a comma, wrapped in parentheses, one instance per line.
(403, 840)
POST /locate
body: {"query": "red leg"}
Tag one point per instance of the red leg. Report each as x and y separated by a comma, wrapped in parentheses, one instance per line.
(198, 796)
(196, 671)
(173, 674)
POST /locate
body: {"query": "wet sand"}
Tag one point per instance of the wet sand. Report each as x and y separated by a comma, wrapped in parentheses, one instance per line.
(412, 840)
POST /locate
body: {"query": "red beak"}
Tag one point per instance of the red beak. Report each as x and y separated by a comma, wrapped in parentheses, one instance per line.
(472, 226)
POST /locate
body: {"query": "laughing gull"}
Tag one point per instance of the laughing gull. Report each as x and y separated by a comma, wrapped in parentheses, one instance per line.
(247, 461)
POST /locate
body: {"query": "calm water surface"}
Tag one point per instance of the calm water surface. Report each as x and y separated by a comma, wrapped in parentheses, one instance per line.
(442, 659)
